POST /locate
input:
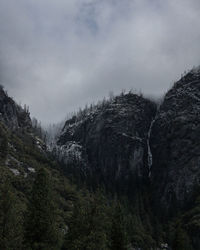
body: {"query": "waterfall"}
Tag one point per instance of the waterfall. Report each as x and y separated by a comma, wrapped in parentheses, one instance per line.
(150, 157)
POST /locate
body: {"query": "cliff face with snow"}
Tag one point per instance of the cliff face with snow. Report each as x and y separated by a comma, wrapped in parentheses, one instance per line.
(129, 139)
(148, 154)
(17, 139)
(175, 143)
(12, 114)
(110, 140)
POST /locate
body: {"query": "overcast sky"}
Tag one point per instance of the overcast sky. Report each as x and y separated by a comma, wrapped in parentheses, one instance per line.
(58, 55)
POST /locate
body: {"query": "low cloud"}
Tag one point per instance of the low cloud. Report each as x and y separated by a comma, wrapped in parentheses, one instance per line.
(59, 55)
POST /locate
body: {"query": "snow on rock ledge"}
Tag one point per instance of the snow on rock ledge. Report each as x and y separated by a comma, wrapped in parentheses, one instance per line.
(71, 151)
(15, 171)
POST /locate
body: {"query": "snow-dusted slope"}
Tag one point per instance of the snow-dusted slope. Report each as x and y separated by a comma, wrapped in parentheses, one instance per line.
(175, 142)
(110, 139)
(12, 114)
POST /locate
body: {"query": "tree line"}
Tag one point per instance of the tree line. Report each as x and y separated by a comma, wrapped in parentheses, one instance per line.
(93, 224)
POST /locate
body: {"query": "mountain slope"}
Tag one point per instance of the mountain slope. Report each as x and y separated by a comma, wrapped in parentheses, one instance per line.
(146, 159)
(109, 141)
(175, 143)
(22, 154)
(151, 154)
(12, 114)
(89, 214)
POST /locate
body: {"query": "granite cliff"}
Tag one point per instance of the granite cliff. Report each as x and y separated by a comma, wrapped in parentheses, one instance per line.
(175, 143)
(110, 141)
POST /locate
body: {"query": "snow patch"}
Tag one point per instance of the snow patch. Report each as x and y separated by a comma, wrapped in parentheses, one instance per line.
(15, 171)
(12, 161)
(69, 152)
(136, 138)
(32, 170)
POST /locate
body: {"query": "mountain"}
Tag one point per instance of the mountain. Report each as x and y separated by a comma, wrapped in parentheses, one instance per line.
(33, 185)
(126, 168)
(109, 141)
(147, 151)
(22, 155)
(175, 143)
(13, 115)
(119, 140)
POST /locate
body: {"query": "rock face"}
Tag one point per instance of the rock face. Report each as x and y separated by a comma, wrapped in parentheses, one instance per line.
(126, 139)
(110, 140)
(11, 113)
(175, 143)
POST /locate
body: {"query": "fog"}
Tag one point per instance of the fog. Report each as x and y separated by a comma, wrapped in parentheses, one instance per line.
(56, 56)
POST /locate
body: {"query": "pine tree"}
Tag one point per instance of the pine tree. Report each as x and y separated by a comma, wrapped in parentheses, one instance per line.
(98, 236)
(11, 235)
(75, 237)
(88, 227)
(181, 241)
(41, 233)
(118, 230)
(3, 143)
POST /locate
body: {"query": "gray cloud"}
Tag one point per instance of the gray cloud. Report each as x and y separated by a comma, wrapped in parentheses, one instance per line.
(56, 56)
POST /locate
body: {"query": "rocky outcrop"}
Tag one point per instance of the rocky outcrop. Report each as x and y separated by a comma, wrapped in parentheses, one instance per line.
(175, 143)
(111, 139)
(128, 139)
(12, 114)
